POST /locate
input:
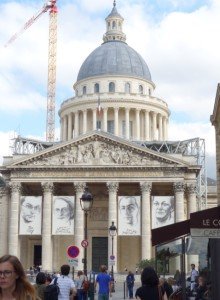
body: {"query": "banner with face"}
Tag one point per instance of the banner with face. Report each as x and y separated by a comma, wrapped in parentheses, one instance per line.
(30, 215)
(63, 215)
(129, 215)
(163, 212)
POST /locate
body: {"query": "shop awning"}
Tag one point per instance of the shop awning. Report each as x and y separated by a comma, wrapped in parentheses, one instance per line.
(201, 223)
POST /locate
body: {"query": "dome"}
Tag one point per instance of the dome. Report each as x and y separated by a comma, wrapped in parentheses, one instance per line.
(114, 58)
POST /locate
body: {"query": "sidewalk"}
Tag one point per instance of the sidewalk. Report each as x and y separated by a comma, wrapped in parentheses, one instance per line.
(119, 292)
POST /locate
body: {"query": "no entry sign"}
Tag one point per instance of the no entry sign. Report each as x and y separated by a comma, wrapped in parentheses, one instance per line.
(84, 243)
(72, 251)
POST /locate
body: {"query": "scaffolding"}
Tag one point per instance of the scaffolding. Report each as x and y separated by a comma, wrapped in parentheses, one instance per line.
(21, 145)
(194, 148)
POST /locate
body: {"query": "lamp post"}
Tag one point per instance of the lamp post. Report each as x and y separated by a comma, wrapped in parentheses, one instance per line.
(86, 202)
(112, 232)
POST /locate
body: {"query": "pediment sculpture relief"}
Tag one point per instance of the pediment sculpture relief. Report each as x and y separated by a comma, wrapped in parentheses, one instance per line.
(97, 153)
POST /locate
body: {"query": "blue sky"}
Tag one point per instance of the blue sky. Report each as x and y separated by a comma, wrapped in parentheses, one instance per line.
(177, 38)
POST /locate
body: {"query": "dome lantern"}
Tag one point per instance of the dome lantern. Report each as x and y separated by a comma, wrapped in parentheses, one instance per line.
(114, 23)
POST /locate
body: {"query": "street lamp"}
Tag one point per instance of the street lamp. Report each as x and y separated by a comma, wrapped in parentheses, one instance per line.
(113, 232)
(86, 202)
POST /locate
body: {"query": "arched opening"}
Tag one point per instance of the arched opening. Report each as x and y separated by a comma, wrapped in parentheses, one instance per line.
(96, 88)
(111, 87)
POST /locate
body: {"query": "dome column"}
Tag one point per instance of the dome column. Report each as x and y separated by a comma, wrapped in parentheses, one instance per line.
(127, 123)
(105, 118)
(137, 119)
(160, 136)
(94, 120)
(154, 126)
(147, 125)
(70, 126)
(85, 121)
(65, 128)
(116, 109)
(76, 124)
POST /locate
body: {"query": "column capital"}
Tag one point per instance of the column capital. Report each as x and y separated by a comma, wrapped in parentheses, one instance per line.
(47, 187)
(15, 187)
(146, 186)
(79, 187)
(191, 188)
(179, 187)
(112, 187)
(4, 190)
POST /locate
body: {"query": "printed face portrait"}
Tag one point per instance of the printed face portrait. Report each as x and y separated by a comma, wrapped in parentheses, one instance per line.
(63, 214)
(30, 215)
(29, 209)
(129, 215)
(129, 210)
(163, 210)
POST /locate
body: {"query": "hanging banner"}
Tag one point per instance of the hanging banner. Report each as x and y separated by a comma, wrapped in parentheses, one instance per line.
(30, 215)
(63, 215)
(163, 211)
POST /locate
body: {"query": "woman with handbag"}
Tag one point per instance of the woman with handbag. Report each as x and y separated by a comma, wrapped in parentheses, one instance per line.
(150, 289)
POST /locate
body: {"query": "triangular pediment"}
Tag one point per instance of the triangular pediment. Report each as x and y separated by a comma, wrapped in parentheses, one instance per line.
(98, 149)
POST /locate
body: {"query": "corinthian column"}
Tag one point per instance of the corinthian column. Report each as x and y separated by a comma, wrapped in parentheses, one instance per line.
(14, 242)
(112, 217)
(127, 124)
(137, 118)
(85, 121)
(146, 220)
(191, 199)
(105, 119)
(70, 126)
(79, 221)
(4, 200)
(179, 200)
(116, 121)
(94, 119)
(76, 124)
(47, 246)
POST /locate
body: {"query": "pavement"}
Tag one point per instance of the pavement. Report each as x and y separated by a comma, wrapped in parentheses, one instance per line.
(119, 292)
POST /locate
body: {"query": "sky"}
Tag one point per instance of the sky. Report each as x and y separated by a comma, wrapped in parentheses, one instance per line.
(177, 38)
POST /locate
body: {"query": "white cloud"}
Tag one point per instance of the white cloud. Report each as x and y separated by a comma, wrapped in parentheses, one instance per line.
(181, 50)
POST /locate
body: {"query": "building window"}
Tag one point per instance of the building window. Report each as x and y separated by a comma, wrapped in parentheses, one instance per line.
(141, 90)
(96, 88)
(127, 88)
(111, 87)
(110, 127)
(149, 92)
(84, 90)
(98, 125)
(109, 25)
(113, 25)
(124, 129)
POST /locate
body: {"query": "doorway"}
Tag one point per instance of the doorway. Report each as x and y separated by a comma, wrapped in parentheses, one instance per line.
(99, 252)
(37, 255)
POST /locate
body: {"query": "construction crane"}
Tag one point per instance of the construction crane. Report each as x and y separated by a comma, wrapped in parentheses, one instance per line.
(51, 87)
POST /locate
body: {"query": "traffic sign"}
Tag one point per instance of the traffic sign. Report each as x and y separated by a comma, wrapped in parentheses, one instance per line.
(72, 251)
(84, 243)
(73, 262)
(112, 257)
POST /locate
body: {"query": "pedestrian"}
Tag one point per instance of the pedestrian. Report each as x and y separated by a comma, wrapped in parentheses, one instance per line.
(13, 281)
(130, 284)
(40, 285)
(166, 286)
(81, 293)
(104, 281)
(193, 277)
(66, 285)
(150, 289)
(201, 289)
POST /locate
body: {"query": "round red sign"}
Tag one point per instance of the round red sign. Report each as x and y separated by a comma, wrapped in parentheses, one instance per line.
(84, 243)
(72, 251)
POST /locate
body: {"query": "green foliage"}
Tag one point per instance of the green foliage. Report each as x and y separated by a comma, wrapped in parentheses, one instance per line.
(146, 263)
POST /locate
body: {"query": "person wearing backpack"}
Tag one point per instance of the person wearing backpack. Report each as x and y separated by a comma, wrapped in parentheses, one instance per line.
(66, 286)
(80, 280)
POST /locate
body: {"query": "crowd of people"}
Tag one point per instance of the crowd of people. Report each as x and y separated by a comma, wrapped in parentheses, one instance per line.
(14, 284)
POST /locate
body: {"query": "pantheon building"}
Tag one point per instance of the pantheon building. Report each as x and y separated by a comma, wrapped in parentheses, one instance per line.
(107, 130)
